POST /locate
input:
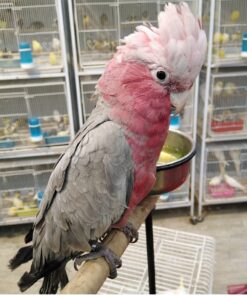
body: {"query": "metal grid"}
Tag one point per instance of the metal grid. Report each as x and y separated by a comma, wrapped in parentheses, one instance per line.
(101, 25)
(225, 173)
(32, 21)
(20, 182)
(176, 198)
(45, 100)
(230, 22)
(179, 257)
(227, 109)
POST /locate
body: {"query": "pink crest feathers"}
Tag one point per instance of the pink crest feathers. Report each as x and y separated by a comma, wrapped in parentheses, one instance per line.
(178, 44)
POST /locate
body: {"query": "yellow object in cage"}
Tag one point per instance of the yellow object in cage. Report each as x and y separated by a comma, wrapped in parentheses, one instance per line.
(37, 47)
(53, 59)
(235, 15)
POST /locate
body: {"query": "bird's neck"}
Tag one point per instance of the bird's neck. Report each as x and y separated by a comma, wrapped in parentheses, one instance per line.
(145, 130)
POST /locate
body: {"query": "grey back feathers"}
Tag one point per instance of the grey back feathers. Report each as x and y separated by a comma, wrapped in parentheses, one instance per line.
(88, 190)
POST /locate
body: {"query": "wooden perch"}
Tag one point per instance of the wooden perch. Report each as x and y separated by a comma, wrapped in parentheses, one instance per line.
(92, 274)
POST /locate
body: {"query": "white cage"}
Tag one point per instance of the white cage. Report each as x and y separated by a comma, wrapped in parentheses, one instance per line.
(44, 99)
(35, 22)
(99, 26)
(224, 179)
(182, 259)
(175, 199)
(88, 102)
(226, 27)
(22, 183)
(97, 30)
(227, 105)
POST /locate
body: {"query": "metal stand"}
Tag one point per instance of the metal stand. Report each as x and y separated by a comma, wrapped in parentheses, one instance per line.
(150, 253)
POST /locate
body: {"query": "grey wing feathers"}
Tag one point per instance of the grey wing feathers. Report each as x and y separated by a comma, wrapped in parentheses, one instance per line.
(96, 185)
(57, 178)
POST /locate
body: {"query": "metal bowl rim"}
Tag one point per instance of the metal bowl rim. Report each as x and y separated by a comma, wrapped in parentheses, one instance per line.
(182, 160)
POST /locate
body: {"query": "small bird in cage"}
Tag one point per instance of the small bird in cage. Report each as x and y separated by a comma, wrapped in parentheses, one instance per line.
(103, 20)
(56, 45)
(145, 15)
(225, 38)
(90, 44)
(53, 59)
(98, 44)
(20, 23)
(114, 45)
(235, 15)
(218, 88)
(37, 47)
(36, 25)
(55, 23)
(131, 18)
(3, 24)
(230, 89)
(237, 36)
(85, 21)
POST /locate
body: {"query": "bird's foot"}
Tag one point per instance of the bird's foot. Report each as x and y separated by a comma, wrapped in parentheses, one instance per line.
(129, 230)
(131, 233)
(98, 250)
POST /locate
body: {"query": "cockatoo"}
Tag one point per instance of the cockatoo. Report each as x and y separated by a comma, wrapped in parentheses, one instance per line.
(110, 166)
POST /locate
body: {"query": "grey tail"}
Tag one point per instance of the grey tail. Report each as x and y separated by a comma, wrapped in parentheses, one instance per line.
(23, 255)
(28, 279)
(53, 274)
(51, 281)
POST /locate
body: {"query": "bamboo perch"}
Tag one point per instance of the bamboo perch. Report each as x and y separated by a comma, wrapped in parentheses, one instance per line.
(92, 274)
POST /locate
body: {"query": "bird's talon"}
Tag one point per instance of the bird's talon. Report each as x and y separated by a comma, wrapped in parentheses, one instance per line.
(131, 233)
(77, 262)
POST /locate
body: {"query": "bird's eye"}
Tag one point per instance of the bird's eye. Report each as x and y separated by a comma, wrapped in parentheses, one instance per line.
(161, 75)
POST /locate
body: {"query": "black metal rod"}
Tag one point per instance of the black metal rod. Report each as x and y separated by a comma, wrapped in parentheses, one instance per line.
(150, 253)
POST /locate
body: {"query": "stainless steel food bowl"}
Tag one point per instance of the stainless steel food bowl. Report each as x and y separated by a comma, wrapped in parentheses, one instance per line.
(173, 174)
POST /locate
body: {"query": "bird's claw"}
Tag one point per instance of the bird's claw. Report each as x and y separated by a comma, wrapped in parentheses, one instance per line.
(98, 251)
(131, 233)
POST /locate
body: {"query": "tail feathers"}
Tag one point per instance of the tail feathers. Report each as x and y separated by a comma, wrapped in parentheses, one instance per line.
(29, 236)
(27, 280)
(23, 255)
(63, 278)
(52, 281)
(53, 273)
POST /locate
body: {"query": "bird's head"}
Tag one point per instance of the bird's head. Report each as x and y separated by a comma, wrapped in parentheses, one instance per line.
(172, 54)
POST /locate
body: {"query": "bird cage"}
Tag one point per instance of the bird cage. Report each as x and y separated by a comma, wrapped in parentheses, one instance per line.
(134, 13)
(175, 199)
(97, 30)
(35, 24)
(193, 4)
(184, 264)
(226, 27)
(88, 102)
(33, 114)
(227, 109)
(224, 179)
(22, 184)
(100, 26)
(186, 116)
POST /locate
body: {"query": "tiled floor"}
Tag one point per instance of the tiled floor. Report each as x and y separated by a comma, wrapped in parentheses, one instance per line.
(228, 225)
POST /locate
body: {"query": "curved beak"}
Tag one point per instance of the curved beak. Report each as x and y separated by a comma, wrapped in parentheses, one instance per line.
(178, 100)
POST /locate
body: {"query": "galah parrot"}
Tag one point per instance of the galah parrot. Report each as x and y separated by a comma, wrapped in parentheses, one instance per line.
(110, 165)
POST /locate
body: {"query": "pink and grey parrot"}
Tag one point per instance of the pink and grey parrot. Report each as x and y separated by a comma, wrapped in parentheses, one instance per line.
(110, 166)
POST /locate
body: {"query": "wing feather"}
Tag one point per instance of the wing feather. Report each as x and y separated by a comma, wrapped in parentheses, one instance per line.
(88, 191)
